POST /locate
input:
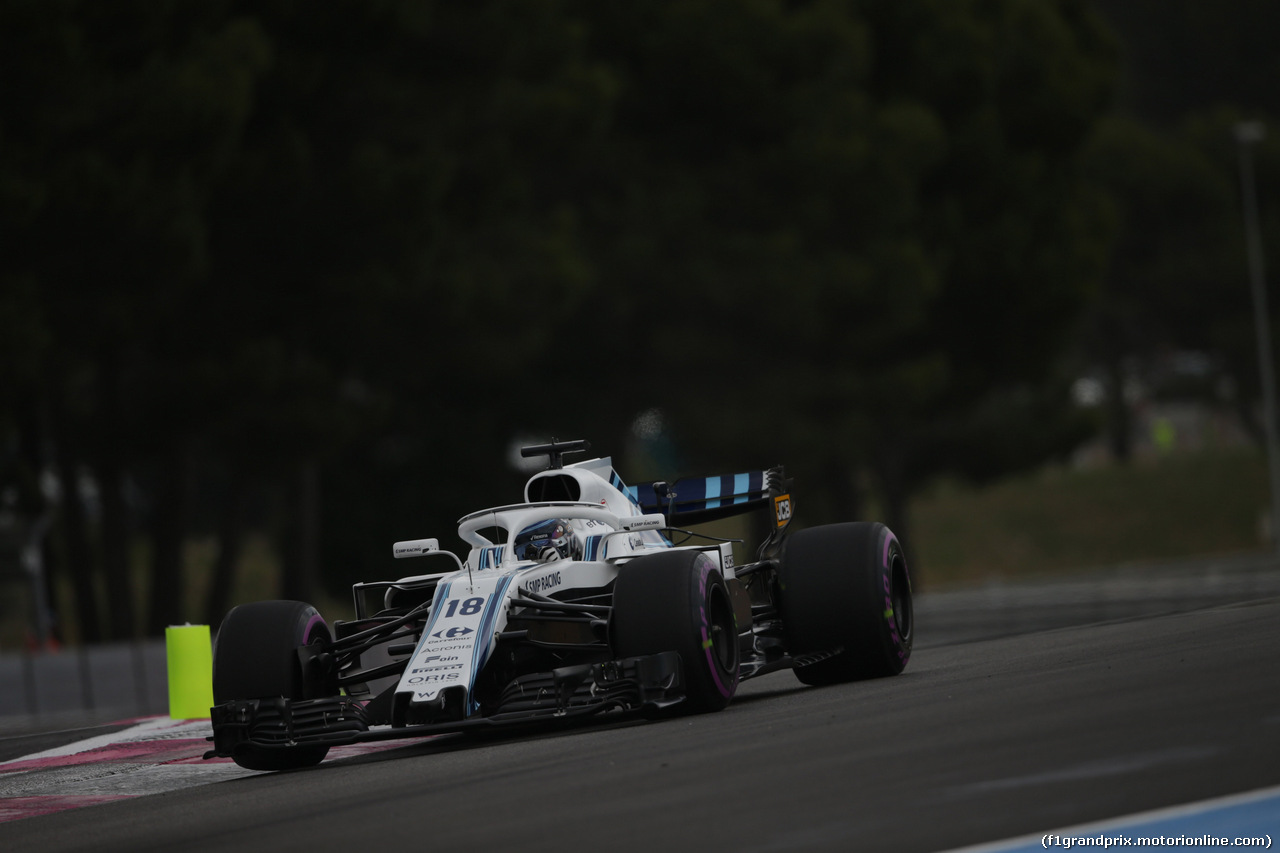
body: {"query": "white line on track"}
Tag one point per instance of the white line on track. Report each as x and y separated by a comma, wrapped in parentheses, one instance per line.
(153, 729)
(1251, 813)
(152, 756)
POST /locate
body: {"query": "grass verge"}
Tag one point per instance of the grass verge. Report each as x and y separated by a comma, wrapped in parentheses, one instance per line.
(1059, 520)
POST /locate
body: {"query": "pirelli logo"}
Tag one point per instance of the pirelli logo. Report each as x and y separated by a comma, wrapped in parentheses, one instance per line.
(782, 510)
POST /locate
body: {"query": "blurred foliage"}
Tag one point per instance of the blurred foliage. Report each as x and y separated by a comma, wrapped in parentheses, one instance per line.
(313, 269)
(1153, 511)
(1169, 160)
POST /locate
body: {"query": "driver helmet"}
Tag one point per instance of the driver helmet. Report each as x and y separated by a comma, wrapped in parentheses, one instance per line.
(553, 539)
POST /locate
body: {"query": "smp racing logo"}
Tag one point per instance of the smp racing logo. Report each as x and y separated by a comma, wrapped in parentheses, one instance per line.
(546, 582)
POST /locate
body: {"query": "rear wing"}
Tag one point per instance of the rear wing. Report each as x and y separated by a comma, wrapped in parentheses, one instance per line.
(695, 500)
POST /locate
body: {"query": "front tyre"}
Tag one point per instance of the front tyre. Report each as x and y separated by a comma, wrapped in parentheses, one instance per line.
(677, 601)
(845, 601)
(256, 657)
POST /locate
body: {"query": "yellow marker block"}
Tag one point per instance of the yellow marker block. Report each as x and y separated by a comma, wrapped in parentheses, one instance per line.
(190, 658)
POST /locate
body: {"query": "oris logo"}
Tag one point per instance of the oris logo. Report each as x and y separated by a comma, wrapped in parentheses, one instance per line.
(437, 678)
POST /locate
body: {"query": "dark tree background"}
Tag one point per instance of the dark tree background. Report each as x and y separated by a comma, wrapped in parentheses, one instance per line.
(309, 271)
(1168, 157)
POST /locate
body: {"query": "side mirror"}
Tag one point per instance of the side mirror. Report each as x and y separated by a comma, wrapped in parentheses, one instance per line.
(653, 521)
(415, 548)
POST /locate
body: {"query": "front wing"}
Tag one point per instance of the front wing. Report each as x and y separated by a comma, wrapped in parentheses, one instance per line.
(647, 684)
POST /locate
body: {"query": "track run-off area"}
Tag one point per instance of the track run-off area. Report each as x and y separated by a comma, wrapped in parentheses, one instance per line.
(1147, 726)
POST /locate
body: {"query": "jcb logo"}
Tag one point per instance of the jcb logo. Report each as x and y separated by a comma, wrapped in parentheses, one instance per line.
(782, 509)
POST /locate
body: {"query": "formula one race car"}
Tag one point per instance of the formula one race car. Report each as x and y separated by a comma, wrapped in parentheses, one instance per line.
(575, 603)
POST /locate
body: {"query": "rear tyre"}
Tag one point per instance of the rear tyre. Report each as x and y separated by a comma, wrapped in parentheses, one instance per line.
(256, 657)
(677, 601)
(845, 600)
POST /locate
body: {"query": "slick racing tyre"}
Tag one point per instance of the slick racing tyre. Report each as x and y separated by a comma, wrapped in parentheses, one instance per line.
(677, 601)
(256, 657)
(845, 600)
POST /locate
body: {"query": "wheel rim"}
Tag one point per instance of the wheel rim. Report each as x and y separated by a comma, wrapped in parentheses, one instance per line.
(723, 631)
(901, 598)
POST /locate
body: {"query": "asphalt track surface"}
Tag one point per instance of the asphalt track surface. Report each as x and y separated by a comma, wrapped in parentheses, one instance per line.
(977, 741)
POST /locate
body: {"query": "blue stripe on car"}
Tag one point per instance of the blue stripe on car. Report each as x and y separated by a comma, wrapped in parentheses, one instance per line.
(442, 595)
(495, 603)
(711, 491)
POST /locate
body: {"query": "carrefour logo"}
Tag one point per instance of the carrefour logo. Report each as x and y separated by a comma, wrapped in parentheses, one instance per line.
(453, 633)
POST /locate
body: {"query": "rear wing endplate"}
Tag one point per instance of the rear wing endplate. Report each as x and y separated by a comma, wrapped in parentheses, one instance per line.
(695, 500)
